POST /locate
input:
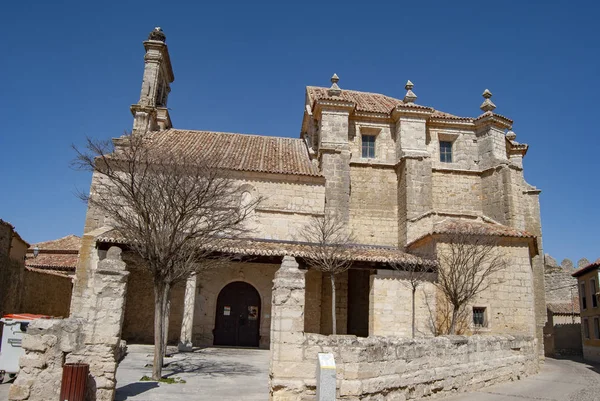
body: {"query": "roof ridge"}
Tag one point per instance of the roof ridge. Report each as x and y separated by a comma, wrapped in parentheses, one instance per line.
(195, 131)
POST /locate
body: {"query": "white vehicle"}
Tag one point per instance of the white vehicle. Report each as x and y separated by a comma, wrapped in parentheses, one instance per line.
(15, 326)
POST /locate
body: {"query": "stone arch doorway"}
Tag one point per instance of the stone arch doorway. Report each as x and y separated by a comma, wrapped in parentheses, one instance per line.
(237, 320)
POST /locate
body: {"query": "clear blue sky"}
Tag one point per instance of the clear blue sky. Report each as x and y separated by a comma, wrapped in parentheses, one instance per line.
(71, 69)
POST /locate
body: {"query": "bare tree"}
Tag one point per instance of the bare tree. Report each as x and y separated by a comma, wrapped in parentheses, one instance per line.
(468, 260)
(172, 206)
(414, 275)
(330, 250)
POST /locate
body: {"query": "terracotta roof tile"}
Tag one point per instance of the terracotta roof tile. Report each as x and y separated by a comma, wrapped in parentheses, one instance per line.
(242, 151)
(585, 269)
(56, 261)
(565, 308)
(70, 242)
(372, 102)
(478, 228)
(258, 247)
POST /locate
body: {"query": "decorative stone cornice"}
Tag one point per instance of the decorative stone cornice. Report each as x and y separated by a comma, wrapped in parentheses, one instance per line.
(490, 118)
(446, 122)
(412, 110)
(332, 104)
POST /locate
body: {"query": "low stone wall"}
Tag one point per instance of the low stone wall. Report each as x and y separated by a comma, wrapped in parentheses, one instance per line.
(393, 368)
(383, 368)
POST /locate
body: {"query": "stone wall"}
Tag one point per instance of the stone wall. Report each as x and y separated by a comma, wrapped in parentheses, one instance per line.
(391, 306)
(456, 192)
(560, 286)
(46, 294)
(138, 325)
(383, 368)
(210, 283)
(374, 205)
(92, 335)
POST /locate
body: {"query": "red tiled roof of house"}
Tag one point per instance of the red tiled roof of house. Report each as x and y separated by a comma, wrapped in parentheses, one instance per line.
(242, 152)
(60, 255)
(372, 102)
(585, 269)
(70, 242)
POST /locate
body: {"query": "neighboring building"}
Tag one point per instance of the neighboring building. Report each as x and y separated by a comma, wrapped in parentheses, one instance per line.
(403, 176)
(562, 332)
(12, 268)
(50, 269)
(588, 278)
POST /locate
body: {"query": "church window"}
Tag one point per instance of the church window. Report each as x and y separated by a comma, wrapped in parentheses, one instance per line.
(368, 146)
(445, 152)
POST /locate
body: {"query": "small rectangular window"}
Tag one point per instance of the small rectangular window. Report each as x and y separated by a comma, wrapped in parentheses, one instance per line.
(586, 329)
(445, 152)
(593, 293)
(597, 328)
(583, 297)
(479, 319)
(368, 146)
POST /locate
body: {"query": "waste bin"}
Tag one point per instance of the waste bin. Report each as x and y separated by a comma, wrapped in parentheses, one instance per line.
(74, 381)
(13, 330)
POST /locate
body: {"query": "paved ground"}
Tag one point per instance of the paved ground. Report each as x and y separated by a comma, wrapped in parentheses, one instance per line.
(210, 373)
(559, 380)
(225, 374)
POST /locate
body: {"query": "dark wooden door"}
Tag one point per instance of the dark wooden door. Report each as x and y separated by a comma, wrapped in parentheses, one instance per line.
(238, 315)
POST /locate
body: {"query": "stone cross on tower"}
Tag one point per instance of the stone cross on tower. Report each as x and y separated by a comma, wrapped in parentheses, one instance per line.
(150, 112)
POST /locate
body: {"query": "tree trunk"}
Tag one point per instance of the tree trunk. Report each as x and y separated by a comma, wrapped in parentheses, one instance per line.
(333, 317)
(166, 316)
(159, 302)
(453, 321)
(414, 289)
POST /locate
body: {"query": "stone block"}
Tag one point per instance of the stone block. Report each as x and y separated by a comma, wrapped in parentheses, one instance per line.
(18, 393)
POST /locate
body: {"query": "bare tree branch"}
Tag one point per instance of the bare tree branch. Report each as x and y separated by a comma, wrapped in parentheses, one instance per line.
(173, 207)
(331, 253)
(468, 260)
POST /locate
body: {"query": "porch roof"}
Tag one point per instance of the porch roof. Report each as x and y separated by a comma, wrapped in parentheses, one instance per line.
(264, 247)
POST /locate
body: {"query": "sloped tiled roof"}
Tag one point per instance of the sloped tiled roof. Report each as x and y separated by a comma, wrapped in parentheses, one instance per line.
(60, 255)
(585, 269)
(70, 242)
(564, 308)
(371, 102)
(258, 247)
(242, 152)
(476, 227)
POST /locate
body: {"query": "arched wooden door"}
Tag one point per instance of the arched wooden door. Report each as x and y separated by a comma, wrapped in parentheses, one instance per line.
(238, 315)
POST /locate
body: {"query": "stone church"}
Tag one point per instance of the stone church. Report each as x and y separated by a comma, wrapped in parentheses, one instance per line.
(400, 174)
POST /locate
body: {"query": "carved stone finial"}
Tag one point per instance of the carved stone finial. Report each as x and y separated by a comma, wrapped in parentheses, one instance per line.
(510, 135)
(335, 89)
(487, 104)
(157, 34)
(410, 96)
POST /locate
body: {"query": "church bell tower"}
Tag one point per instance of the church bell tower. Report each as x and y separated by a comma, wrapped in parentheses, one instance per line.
(150, 113)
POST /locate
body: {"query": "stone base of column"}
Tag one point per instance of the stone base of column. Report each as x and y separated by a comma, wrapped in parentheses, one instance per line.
(185, 347)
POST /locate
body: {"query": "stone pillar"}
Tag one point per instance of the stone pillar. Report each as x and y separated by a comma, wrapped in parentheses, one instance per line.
(287, 332)
(185, 340)
(91, 335)
(102, 326)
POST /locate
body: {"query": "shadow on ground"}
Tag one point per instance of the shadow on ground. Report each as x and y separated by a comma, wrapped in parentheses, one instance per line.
(133, 389)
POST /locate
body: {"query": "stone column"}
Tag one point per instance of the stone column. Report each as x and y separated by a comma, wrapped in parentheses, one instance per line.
(91, 335)
(185, 340)
(105, 306)
(287, 332)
